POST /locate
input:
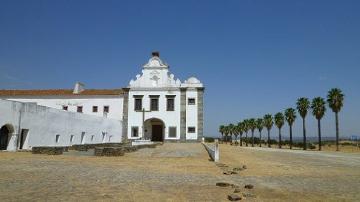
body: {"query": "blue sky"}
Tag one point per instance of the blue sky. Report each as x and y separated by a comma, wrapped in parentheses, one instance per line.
(254, 57)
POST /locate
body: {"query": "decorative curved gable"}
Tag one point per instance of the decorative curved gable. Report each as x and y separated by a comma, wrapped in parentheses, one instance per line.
(155, 74)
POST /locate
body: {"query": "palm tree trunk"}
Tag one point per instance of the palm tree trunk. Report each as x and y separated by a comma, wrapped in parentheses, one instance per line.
(290, 136)
(240, 139)
(252, 138)
(246, 139)
(268, 142)
(260, 138)
(319, 133)
(279, 138)
(337, 131)
(304, 134)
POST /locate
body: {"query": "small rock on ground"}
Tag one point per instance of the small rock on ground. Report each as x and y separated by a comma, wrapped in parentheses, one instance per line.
(223, 184)
(237, 190)
(248, 195)
(238, 169)
(234, 197)
(249, 186)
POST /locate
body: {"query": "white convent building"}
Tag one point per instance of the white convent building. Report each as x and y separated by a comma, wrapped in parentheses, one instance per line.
(155, 107)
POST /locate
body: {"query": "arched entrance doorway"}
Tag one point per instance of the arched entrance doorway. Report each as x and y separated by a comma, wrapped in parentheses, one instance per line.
(154, 130)
(5, 132)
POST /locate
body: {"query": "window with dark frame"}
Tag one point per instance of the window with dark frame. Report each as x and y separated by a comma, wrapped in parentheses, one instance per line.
(64, 107)
(154, 103)
(106, 109)
(57, 137)
(191, 129)
(134, 131)
(191, 101)
(79, 109)
(170, 104)
(172, 131)
(95, 109)
(138, 104)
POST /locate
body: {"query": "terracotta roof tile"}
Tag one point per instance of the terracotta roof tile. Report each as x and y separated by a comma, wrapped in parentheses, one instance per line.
(60, 92)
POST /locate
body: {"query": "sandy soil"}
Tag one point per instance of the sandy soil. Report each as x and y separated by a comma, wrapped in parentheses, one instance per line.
(172, 172)
(282, 174)
(180, 172)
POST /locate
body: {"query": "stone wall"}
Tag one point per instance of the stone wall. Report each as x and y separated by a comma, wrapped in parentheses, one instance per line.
(49, 150)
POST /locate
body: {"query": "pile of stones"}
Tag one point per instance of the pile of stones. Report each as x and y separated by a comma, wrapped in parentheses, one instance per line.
(109, 151)
(238, 193)
(105, 149)
(86, 147)
(49, 150)
(230, 171)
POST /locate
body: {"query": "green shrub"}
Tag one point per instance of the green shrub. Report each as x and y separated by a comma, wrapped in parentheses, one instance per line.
(209, 139)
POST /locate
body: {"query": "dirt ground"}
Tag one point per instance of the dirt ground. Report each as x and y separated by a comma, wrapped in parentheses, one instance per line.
(282, 174)
(180, 172)
(172, 172)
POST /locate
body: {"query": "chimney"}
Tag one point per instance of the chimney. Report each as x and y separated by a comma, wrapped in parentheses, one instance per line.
(155, 54)
(79, 87)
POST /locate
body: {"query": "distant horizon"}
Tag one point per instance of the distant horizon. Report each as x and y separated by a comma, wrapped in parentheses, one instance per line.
(298, 138)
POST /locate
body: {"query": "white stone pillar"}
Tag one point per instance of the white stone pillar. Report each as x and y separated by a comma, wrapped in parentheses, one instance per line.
(217, 151)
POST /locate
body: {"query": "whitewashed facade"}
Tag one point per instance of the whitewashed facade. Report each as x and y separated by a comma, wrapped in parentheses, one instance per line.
(155, 106)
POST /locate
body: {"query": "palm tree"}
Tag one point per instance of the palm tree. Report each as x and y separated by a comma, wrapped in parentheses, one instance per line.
(231, 131)
(222, 131)
(290, 116)
(241, 126)
(303, 105)
(268, 123)
(318, 110)
(226, 132)
(279, 122)
(236, 133)
(246, 129)
(260, 126)
(252, 126)
(335, 98)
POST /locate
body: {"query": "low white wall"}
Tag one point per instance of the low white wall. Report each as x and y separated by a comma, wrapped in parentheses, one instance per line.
(213, 150)
(45, 123)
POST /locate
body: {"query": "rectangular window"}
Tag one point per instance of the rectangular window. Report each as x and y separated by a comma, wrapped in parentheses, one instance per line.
(92, 138)
(191, 129)
(79, 109)
(134, 131)
(170, 104)
(95, 108)
(57, 138)
(82, 141)
(65, 108)
(172, 131)
(106, 109)
(71, 138)
(191, 101)
(154, 104)
(138, 104)
(103, 137)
